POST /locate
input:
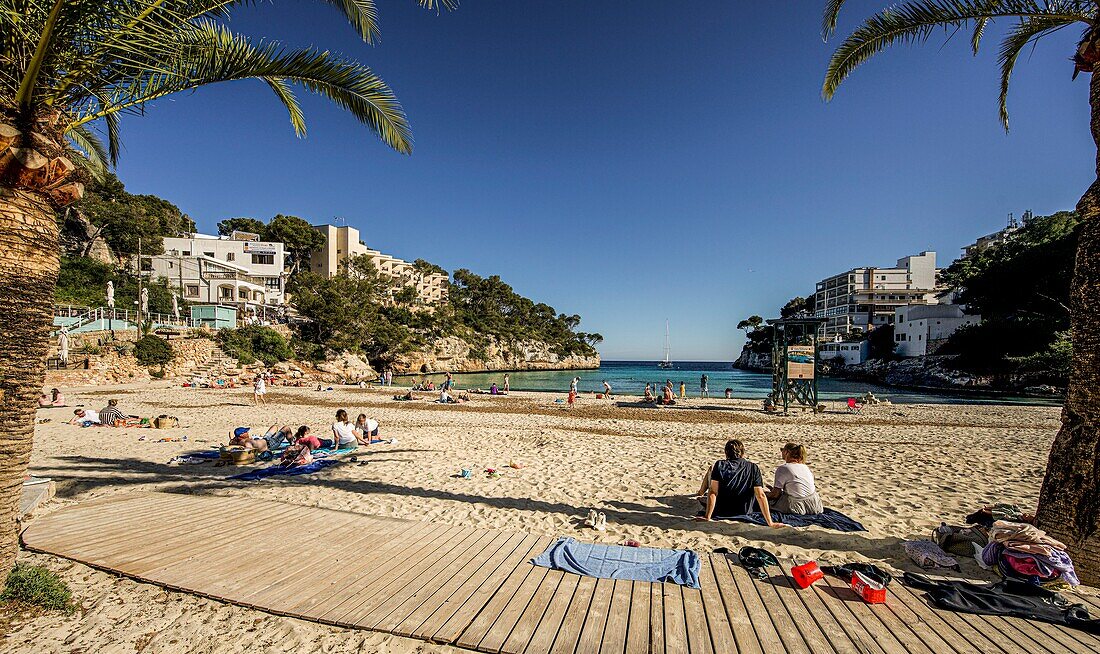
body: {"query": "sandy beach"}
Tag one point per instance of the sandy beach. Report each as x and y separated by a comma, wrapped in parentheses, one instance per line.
(898, 469)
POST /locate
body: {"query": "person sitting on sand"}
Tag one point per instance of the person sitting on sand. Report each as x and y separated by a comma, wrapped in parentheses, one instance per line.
(649, 398)
(44, 400)
(56, 399)
(733, 487)
(794, 490)
(406, 396)
(493, 390)
(81, 416)
(430, 386)
(110, 415)
(666, 395)
(344, 433)
(301, 452)
(366, 429)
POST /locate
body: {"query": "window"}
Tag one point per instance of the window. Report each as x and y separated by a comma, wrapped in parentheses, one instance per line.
(225, 293)
(191, 290)
(171, 265)
(230, 256)
(186, 253)
(263, 259)
(208, 254)
(882, 277)
(272, 283)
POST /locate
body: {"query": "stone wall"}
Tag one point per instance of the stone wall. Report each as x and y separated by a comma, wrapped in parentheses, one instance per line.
(115, 365)
(453, 354)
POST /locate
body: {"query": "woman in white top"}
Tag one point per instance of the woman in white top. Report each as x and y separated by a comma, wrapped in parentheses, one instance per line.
(344, 433)
(794, 490)
(259, 389)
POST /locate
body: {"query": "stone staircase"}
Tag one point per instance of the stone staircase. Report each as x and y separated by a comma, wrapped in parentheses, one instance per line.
(215, 365)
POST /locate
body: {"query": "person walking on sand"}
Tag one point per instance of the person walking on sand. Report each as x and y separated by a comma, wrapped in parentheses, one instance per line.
(703, 390)
(683, 390)
(259, 389)
(572, 397)
(573, 385)
(505, 388)
(606, 389)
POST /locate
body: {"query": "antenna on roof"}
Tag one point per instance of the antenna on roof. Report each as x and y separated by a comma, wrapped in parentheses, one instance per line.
(1012, 220)
(336, 220)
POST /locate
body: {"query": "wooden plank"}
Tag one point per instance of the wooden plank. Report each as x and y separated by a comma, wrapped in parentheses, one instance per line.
(536, 609)
(551, 623)
(657, 619)
(75, 528)
(780, 594)
(929, 628)
(591, 632)
(499, 629)
(675, 623)
(573, 622)
(457, 567)
(951, 621)
(857, 634)
(300, 573)
(637, 632)
(698, 629)
(418, 578)
(1027, 633)
(764, 609)
(385, 577)
(358, 574)
(618, 617)
(737, 614)
(829, 626)
(516, 546)
(864, 616)
(487, 597)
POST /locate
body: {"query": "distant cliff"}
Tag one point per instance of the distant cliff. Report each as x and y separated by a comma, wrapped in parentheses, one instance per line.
(754, 361)
(453, 354)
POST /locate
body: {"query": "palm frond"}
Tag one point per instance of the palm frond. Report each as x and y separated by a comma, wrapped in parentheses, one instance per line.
(917, 20)
(286, 96)
(829, 17)
(1026, 31)
(209, 53)
(979, 31)
(95, 155)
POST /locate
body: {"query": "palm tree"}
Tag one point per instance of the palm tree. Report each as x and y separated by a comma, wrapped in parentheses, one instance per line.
(1069, 503)
(68, 71)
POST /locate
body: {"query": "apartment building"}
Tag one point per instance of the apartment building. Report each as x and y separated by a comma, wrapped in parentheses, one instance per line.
(341, 243)
(864, 298)
(920, 330)
(236, 270)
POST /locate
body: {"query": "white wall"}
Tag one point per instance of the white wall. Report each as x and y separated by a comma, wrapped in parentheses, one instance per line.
(853, 352)
(916, 325)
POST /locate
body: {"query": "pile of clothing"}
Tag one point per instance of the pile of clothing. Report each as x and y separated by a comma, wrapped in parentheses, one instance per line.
(1024, 552)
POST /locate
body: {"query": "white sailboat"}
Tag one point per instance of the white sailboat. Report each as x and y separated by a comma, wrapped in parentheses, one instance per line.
(667, 363)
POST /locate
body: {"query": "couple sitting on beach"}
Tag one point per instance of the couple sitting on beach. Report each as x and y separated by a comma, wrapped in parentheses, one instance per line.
(54, 398)
(666, 395)
(109, 416)
(735, 487)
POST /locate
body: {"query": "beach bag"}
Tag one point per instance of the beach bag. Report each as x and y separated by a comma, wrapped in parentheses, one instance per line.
(959, 541)
(165, 422)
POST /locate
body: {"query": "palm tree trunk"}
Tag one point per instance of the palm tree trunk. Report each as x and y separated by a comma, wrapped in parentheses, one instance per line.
(1069, 504)
(29, 265)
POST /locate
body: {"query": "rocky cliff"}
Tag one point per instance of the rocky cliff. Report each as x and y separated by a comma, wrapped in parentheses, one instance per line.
(453, 354)
(935, 372)
(754, 361)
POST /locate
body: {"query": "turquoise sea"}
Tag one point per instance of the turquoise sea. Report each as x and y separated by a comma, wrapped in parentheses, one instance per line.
(630, 378)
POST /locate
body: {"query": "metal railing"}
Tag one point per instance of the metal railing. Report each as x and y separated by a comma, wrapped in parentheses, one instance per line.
(86, 315)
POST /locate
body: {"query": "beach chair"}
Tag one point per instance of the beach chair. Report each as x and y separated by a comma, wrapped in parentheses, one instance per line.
(853, 406)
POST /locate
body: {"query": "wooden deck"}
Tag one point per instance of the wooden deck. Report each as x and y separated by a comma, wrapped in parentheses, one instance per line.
(476, 589)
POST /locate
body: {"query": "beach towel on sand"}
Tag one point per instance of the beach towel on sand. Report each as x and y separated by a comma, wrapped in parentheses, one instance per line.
(264, 473)
(618, 562)
(829, 519)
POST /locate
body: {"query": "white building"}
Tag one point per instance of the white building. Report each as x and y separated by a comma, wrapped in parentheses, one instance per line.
(920, 330)
(865, 298)
(237, 270)
(341, 243)
(851, 352)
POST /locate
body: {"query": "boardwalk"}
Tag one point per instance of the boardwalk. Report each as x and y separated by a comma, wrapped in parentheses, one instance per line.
(476, 589)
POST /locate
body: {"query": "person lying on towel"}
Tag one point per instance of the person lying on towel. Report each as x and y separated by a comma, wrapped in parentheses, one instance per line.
(85, 416)
(274, 439)
(733, 487)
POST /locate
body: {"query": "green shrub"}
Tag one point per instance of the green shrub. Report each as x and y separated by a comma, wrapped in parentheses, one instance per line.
(93, 349)
(249, 344)
(152, 351)
(35, 585)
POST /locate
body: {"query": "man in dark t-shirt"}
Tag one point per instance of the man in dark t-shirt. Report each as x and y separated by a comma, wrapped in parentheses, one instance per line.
(734, 486)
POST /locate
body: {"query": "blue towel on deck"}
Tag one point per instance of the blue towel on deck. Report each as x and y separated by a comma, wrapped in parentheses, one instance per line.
(271, 471)
(830, 519)
(619, 562)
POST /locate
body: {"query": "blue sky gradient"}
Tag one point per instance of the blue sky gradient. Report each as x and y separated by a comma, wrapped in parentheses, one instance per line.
(635, 161)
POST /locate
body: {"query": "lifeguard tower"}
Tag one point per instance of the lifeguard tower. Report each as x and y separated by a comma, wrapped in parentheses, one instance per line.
(794, 361)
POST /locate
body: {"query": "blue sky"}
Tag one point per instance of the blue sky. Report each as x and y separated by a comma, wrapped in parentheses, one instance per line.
(635, 161)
